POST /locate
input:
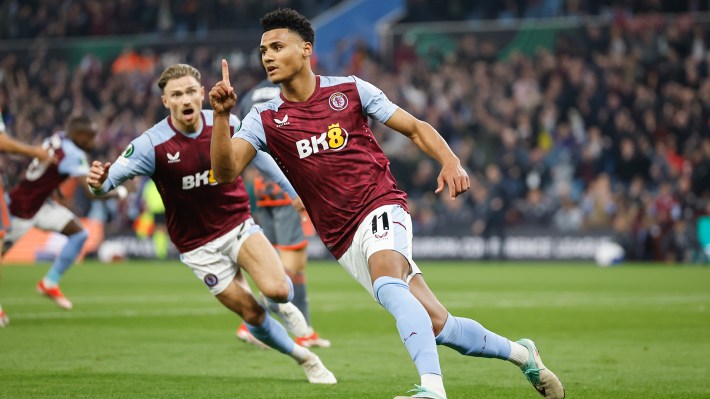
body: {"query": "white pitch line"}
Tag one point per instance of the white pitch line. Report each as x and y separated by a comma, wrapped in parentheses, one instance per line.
(125, 313)
(118, 299)
(328, 303)
(532, 301)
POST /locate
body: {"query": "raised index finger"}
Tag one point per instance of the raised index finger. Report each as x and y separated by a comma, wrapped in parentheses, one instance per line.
(225, 71)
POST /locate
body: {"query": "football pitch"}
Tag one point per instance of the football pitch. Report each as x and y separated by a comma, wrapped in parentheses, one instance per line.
(152, 330)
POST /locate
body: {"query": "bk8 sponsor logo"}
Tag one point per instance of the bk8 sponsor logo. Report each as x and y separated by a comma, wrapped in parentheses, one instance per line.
(334, 139)
(198, 179)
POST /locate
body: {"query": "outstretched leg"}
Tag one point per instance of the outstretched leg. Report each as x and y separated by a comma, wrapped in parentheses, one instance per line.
(470, 338)
(388, 270)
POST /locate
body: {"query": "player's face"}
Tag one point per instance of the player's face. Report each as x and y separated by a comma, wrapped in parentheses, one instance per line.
(85, 139)
(284, 54)
(183, 97)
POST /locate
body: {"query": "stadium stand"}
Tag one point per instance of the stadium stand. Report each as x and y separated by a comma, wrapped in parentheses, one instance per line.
(605, 129)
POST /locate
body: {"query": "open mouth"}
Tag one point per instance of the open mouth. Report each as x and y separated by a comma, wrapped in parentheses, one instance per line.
(270, 68)
(188, 113)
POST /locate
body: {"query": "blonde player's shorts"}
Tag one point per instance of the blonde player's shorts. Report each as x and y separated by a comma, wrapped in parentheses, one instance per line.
(388, 227)
(51, 216)
(215, 263)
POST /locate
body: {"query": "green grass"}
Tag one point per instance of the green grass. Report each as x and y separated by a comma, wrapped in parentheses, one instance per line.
(151, 330)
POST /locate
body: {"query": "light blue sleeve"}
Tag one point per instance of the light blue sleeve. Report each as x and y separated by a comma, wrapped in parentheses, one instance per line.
(268, 167)
(74, 162)
(374, 102)
(235, 121)
(138, 159)
(252, 130)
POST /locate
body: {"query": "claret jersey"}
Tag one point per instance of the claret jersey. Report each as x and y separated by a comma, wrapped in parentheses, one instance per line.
(197, 209)
(42, 178)
(326, 149)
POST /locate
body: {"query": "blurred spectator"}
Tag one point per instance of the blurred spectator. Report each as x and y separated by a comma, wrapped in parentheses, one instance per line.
(568, 217)
(608, 129)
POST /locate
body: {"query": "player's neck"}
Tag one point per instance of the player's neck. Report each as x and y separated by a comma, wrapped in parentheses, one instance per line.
(188, 129)
(300, 88)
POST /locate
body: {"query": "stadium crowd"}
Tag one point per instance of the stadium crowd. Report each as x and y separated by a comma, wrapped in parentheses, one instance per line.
(609, 130)
(29, 19)
(452, 10)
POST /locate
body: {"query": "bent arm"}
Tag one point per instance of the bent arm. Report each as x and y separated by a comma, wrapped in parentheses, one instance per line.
(229, 156)
(423, 135)
(430, 141)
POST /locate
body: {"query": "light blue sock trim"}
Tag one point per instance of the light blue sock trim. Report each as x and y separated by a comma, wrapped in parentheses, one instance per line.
(470, 338)
(290, 288)
(413, 322)
(272, 333)
(67, 256)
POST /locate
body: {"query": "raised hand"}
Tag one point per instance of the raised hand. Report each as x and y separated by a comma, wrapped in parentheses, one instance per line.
(98, 174)
(454, 176)
(222, 96)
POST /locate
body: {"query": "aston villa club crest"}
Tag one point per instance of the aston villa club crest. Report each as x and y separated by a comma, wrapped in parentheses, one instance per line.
(338, 101)
(211, 280)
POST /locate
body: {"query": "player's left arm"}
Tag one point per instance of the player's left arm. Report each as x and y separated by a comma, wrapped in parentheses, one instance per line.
(430, 141)
(377, 106)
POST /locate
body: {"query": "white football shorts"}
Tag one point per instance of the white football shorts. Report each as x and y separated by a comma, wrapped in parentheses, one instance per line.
(51, 217)
(215, 263)
(388, 227)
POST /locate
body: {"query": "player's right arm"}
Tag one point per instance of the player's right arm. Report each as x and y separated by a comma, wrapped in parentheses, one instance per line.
(138, 159)
(15, 147)
(229, 156)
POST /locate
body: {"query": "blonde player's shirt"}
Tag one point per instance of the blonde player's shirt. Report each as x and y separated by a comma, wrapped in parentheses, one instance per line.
(197, 209)
(326, 149)
(42, 178)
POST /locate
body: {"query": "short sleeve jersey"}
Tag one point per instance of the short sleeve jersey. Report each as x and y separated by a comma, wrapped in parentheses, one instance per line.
(41, 178)
(197, 209)
(326, 149)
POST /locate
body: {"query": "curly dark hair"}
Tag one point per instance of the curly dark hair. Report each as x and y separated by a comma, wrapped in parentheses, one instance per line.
(291, 20)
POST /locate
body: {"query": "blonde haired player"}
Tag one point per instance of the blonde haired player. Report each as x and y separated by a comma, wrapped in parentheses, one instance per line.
(210, 223)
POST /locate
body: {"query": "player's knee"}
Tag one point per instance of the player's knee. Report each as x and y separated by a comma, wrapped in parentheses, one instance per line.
(277, 291)
(438, 321)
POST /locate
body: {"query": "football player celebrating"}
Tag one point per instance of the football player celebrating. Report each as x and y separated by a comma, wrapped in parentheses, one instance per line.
(329, 154)
(211, 224)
